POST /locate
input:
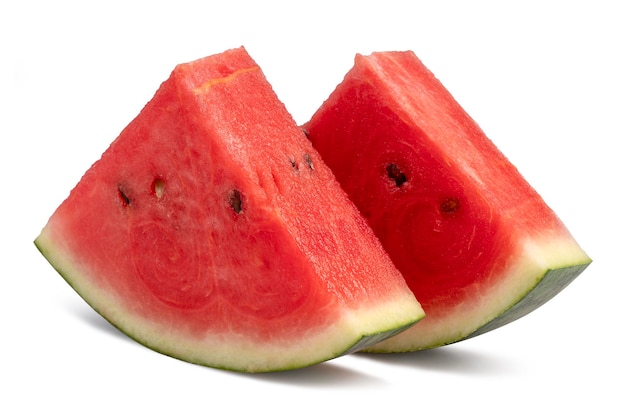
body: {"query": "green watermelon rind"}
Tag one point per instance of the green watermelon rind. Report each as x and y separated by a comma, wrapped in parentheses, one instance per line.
(53, 253)
(372, 339)
(542, 272)
(549, 285)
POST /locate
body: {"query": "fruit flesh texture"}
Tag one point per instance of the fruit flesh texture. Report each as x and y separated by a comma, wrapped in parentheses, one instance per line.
(469, 234)
(211, 231)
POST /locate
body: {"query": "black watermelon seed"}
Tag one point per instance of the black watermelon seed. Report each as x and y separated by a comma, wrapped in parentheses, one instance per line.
(394, 173)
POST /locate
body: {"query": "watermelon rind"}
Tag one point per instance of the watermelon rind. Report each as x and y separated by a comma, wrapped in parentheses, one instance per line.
(539, 273)
(553, 282)
(234, 354)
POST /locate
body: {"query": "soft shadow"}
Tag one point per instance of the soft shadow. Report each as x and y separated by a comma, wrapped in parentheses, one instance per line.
(323, 375)
(450, 359)
(88, 315)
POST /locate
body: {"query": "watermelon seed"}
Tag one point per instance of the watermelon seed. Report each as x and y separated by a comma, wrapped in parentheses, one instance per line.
(309, 161)
(294, 165)
(123, 197)
(306, 133)
(158, 186)
(450, 205)
(396, 174)
(235, 201)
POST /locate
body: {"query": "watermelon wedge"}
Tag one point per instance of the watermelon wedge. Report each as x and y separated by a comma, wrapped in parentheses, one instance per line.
(474, 241)
(211, 231)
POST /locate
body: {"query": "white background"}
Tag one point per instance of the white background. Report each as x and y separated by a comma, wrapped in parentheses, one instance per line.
(544, 79)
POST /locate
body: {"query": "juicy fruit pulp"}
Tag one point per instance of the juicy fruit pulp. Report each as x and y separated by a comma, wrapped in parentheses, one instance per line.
(211, 231)
(475, 243)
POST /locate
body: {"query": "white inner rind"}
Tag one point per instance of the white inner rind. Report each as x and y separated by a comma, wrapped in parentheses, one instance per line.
(534, 259)
(230, 350)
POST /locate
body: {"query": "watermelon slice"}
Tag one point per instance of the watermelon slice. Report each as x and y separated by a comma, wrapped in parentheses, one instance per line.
(211, 231)
(475, 243)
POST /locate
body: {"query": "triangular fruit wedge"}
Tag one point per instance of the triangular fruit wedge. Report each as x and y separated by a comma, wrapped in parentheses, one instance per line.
(211, 231)
(474, 241)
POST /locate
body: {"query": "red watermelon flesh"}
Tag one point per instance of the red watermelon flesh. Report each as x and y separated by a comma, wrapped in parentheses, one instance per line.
(474, 241)
(211, 231)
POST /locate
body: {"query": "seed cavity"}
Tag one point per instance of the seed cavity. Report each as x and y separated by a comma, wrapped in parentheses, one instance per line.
(294, 165)
(158, 187)
(278, 181)
(234, 199)
(396, 174)
(124, 199)
(309, 161)
(450, 205)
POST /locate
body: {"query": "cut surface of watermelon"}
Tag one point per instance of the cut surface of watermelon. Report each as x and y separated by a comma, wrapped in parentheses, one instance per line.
(475, 242)
(211, 231)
